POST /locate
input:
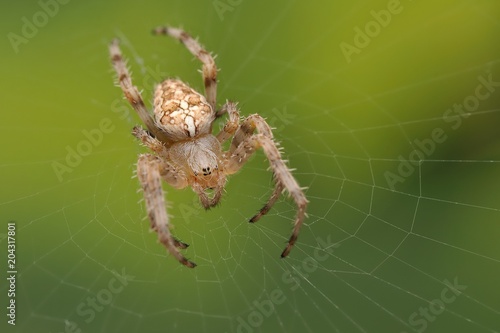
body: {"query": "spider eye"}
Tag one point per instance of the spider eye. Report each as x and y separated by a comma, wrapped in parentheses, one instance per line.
(206, 171)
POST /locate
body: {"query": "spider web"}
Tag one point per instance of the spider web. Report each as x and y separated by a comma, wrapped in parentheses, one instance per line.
(402, 233)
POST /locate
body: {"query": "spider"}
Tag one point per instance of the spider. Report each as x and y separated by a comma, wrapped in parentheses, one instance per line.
(186, 153)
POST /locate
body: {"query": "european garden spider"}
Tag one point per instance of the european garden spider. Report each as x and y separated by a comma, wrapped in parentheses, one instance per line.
(186, 153)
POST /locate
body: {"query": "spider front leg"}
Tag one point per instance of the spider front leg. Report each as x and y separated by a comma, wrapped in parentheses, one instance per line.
(284, 178)
(131, 92)
(149, 171)
(209, 67)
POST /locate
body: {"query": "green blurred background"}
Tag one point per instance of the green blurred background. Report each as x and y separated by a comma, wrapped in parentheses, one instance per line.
(343, 125)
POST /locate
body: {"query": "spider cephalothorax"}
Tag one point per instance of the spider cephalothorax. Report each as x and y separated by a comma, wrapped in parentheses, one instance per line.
(186, 153)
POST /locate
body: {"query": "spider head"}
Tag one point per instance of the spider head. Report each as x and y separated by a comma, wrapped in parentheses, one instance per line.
(200, 159)
(205, 171)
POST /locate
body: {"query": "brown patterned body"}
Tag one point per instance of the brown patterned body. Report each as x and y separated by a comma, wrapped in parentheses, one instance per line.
(180, 111)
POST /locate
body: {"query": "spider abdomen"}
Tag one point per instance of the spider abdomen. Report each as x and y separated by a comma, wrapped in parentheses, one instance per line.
(180, 111)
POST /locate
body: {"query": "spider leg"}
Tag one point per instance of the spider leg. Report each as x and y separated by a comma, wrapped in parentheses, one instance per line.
(169, 173)
(232, 123)
(149, 169)
(209, 67)
(220, 112)
(131, 92)
(246, 144)
(246, 129)
(179, 244)
(278, 189)
(152, 143)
